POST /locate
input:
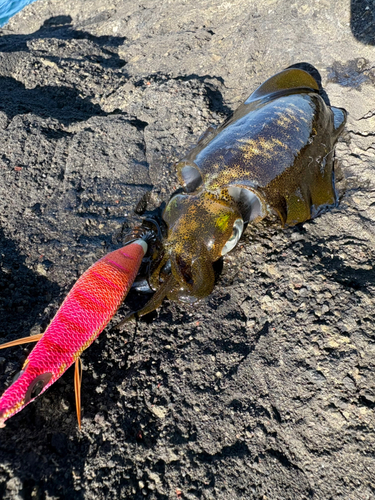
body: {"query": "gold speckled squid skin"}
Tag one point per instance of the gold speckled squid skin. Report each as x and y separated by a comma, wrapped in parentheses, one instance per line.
(198, 226)
(278, 146)
(278, 143)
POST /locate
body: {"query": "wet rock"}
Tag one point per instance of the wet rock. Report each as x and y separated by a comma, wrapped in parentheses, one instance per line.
(272, 376)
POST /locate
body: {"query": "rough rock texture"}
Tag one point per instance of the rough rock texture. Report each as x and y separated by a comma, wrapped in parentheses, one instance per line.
(266, 390)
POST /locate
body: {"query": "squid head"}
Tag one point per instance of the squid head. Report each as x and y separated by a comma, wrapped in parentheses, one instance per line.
(202, 227)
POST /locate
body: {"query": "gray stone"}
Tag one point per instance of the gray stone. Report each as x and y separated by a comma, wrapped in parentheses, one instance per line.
(98, 99)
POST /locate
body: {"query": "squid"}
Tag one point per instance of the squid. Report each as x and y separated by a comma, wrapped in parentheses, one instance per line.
(273, 156)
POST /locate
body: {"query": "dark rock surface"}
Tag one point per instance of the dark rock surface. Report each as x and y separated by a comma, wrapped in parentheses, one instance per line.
(266, 390)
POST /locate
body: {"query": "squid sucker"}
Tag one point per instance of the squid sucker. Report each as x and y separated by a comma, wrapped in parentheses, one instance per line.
(274, 155)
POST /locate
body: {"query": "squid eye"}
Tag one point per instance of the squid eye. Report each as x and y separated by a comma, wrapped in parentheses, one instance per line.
(36, 386)
(236, 235)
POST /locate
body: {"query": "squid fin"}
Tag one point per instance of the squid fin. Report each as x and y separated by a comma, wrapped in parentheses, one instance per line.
(291, 78)
(339, 119)
(24, 340)
(77, 388)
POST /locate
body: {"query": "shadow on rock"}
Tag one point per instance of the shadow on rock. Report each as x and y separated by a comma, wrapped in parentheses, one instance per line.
(362, 21)
(356, 277)
(60, 27)
(48, 463)
(214, 96)
(61, 103)
(24, 294)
